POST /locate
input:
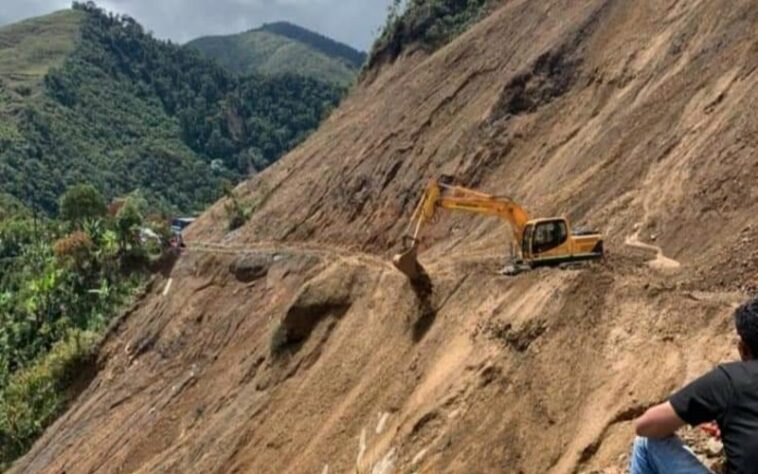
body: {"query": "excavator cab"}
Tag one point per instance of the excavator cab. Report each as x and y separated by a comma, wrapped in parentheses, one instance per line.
(544, 239)
(549, 241)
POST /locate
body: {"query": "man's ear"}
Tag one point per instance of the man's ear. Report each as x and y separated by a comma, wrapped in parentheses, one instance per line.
(745, 352)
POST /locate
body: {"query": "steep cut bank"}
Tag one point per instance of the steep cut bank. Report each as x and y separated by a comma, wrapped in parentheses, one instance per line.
(291, 345)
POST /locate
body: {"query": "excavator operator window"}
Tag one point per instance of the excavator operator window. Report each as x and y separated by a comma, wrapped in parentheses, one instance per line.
(549, 235)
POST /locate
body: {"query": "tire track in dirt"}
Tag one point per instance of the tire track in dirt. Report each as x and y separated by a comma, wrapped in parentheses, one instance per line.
(320, 251)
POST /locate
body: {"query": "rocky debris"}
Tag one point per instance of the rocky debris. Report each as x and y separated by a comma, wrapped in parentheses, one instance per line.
(551, 77)
(516, 336)
(707, 448)
(327, 296)
(735, 268)
(250, 268)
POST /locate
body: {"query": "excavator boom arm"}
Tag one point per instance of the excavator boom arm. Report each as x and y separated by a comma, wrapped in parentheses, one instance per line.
(498, 207)
(463, 199)
(458, 198)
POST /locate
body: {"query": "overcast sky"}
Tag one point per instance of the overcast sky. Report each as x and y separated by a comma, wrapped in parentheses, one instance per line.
(354, 22)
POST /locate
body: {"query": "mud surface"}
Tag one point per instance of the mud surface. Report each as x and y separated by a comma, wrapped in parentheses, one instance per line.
(293, 346)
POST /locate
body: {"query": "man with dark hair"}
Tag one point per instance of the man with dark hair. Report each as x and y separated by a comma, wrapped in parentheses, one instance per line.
(727, 395)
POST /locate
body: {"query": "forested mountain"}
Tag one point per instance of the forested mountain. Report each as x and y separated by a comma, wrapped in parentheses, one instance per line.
(87, 96)
(283, 48)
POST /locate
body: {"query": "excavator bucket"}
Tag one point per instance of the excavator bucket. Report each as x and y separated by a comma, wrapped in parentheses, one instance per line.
(407, 263)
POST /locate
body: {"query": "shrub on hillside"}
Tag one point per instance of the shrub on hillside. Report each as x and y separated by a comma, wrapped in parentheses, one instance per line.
(11, 207)
(427, 23)
(76, 248)
(35, 395)
(237, 213)
(82, 202)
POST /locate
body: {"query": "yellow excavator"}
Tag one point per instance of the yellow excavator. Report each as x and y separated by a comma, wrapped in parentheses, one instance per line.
(536, 242)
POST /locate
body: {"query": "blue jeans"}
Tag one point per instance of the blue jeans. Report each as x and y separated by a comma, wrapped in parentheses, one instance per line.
(664, 456)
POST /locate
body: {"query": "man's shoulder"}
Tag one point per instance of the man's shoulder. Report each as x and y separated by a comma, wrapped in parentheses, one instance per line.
(741, 372)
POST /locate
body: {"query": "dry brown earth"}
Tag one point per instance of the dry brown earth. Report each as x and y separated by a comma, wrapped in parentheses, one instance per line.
(292, 346)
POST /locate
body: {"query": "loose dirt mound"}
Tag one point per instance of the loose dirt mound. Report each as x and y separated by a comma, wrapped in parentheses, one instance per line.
(291, 345)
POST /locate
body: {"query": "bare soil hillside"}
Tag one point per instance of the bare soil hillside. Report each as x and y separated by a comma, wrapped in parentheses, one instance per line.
(292, 346)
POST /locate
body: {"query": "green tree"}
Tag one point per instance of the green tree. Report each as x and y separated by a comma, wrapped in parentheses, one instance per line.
(11, 207)
(128, 221)
(81, 202)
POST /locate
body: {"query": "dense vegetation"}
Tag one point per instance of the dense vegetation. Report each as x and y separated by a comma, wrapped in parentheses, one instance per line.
(126, 111)
(429, 24)
(283, 48)
(60, 283)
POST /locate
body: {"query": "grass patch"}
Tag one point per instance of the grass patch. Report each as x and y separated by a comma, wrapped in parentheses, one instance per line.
(238, 212)
(36, 395)
(29, 49)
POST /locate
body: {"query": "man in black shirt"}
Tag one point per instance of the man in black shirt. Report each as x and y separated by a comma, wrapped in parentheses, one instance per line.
(727, 395)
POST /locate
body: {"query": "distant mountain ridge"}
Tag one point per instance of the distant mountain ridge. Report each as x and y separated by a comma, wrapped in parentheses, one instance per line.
(322, 43)
(87, 96)
(283, 48)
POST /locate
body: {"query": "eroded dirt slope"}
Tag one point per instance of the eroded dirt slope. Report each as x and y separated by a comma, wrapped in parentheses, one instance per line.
(291, 345)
